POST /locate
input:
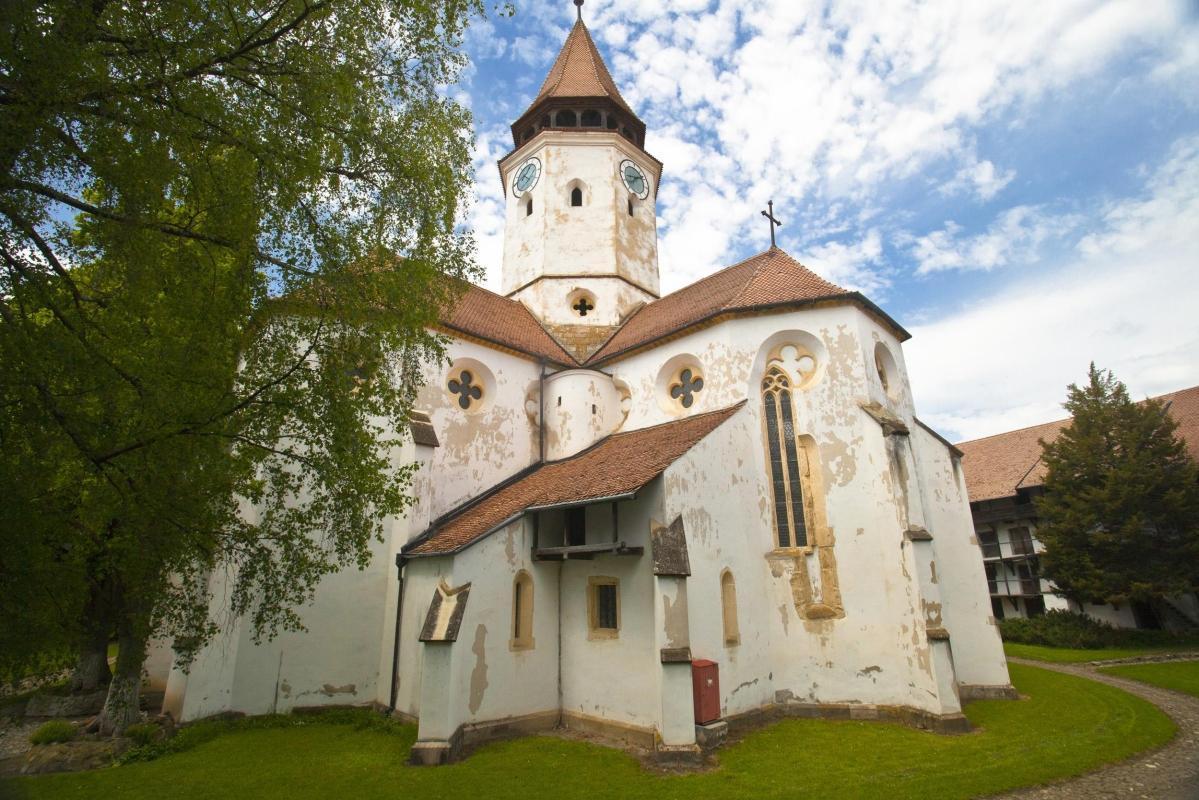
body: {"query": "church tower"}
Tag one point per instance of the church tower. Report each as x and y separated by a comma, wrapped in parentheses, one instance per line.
(580, 239)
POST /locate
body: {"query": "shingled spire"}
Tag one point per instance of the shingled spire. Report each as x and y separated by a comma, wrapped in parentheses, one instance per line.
(579, 92)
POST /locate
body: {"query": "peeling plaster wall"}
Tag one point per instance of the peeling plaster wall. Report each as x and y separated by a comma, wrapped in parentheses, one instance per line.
(490, 680)
(878, 652)
(549, 300)
(478, 448)
(597, 238)
(977, 648)
(616, 679)
(581, 407)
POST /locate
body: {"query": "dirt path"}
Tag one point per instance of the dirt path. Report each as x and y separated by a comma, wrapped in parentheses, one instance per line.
(1169, 773)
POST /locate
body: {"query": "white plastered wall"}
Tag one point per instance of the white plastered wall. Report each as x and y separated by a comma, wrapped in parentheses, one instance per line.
(597, 238)
(478, 448)
(877, 653)
(977, 647)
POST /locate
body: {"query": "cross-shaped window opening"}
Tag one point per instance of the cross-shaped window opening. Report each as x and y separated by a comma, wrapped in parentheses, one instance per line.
(583, 305)
(466, 391)
(688, 386)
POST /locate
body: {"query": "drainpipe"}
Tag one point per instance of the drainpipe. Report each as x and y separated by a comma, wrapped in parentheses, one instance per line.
(541, 411)
(395, 651)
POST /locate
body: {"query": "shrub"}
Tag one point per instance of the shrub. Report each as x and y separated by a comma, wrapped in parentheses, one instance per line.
(143, 733)
(56, 730)
(201, 731)
(1067, 629)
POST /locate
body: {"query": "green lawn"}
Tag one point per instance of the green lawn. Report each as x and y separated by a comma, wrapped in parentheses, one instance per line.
(1065, 655)
(1181, 676)
(1067, 726)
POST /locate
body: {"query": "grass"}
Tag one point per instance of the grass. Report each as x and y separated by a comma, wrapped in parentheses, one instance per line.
(1067, 726)
(1067, 655)
(1181, 676)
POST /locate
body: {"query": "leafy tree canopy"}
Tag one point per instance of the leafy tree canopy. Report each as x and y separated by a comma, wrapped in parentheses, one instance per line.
(1120, 513)
(224, 229)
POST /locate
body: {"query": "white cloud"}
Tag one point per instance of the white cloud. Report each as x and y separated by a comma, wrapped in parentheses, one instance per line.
(982, 178)
(1015, 236)
(857, 265)
(1126, 299)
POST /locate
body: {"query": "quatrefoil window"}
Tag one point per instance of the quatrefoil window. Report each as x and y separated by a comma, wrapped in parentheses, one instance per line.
(466, 390)
(688, 385)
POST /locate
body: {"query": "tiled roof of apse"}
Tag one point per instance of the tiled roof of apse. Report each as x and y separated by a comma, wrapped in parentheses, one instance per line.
(491, 317)
(617, 465)
(766, 280)
(997, 466)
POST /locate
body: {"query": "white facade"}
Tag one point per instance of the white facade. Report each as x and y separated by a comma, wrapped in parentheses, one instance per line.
(882, 610)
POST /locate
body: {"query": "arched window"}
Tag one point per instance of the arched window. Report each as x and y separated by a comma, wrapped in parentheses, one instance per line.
(783, 455)
(522, 612)
(576, 196)
(566, 119)
(630, 206)
(529, 207)
(611, 123)
(591, 119)
(728, 608)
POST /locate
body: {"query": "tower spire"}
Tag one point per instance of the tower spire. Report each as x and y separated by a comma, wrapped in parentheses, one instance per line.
(579, 9)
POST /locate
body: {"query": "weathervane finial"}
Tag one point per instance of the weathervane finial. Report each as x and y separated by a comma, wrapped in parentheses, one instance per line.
(579, 9)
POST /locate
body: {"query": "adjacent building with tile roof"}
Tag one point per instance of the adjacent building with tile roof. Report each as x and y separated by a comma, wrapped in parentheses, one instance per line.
(1004, 475)
(609, 483)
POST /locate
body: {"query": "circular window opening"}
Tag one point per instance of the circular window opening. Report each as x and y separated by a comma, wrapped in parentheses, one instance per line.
(582, 303)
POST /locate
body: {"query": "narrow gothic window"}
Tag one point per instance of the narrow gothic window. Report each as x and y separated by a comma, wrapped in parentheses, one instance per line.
(465, 389)
(576, 196)
(522, 611)
(529, 207)
(785, 476)
(728, 608)
(630, 206)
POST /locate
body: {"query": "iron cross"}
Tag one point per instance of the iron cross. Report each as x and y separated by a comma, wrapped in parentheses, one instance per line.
(774, 223)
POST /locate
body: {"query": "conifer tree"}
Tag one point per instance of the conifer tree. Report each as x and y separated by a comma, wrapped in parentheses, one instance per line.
(1120, 512)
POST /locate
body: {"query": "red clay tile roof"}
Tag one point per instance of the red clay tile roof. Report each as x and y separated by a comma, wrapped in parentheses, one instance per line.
(996, 466)
(491, 317)
(768, 279)
(618, 464)
(579, 71)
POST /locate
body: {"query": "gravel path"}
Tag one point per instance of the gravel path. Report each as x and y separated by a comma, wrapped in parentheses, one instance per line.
(1169, 773)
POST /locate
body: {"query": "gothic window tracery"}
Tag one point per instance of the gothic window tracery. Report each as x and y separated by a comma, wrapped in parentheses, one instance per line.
(784, 458)
(464, 387)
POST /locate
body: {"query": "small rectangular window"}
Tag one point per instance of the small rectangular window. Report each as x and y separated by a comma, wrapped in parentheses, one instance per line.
(603, 608)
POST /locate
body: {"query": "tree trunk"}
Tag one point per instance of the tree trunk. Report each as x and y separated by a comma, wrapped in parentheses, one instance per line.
(121, 706)
(91, 667)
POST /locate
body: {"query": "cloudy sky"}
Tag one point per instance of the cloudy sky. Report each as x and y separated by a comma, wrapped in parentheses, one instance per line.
(1016, 182)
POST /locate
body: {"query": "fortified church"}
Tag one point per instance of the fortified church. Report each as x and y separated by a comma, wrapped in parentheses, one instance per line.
(615, 484)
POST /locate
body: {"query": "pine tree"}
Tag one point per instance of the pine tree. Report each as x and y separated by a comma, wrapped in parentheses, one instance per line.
(1120, 513)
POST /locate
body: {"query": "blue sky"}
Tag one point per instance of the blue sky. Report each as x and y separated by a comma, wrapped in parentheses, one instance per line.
(1017, 183)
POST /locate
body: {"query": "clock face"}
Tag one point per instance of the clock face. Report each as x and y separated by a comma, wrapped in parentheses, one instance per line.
(526, 176)
(634, 179)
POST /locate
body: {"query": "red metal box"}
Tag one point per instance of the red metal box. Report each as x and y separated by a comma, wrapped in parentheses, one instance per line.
(705, 686)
